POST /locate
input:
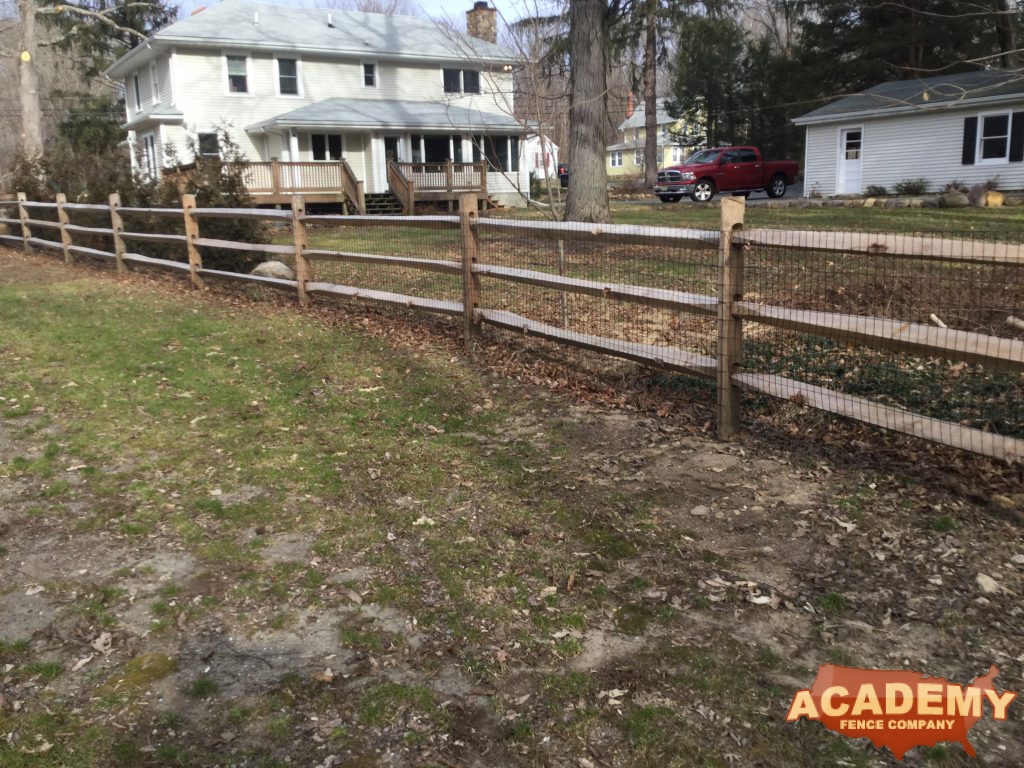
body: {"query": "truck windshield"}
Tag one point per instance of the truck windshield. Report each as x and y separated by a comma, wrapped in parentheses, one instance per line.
(704, 156)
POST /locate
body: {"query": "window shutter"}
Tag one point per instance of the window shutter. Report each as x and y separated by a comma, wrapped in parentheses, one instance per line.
(970, 140)
(1017, 138)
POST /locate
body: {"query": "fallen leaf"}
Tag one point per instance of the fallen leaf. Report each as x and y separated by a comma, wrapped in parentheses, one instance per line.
(104, 643)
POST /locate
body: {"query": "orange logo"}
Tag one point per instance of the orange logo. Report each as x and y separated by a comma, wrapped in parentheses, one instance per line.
(896, 709)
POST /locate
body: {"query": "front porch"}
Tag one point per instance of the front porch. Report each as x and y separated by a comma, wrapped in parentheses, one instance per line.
(276, 182)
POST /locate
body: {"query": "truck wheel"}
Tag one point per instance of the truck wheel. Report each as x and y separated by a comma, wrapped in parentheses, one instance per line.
(703, 191)
(777, 186)
(670, 198)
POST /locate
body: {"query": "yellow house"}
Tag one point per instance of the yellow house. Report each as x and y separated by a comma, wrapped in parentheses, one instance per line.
(625, 159)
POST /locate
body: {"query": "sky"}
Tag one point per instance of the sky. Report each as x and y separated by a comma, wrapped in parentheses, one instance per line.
(455, 10)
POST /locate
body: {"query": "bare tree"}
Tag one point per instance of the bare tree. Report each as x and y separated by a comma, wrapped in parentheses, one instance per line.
(386, 7)
(587, 199)
(28, 82)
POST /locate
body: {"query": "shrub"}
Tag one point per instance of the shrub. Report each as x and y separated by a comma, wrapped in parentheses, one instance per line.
(976, 194)
(911, 187)
(875, 190)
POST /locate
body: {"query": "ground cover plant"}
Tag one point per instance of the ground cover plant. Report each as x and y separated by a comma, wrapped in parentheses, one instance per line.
(236, 533)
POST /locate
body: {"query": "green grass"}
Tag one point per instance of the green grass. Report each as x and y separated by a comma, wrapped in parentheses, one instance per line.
(995, 220)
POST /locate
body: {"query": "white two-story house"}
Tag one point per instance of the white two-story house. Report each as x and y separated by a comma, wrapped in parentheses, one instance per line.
(296, 86)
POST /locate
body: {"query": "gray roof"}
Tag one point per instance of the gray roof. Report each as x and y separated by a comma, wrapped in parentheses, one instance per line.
(253, 25)
(156, 114)
(928, 93)
(375, 113)
(638, 119)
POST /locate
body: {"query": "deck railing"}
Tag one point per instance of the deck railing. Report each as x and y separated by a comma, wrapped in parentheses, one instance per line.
(447, 176)
(276, 177)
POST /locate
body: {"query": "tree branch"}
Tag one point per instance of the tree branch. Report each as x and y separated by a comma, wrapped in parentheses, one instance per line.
(101, 16)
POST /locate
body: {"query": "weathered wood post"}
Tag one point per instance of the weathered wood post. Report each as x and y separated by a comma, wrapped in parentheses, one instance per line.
(360, 198)
(303, 269)
(117, 227)
(195, 261)
(730, 327)
(275, 176)
(63, 219)
(470, 280)
(26, 233)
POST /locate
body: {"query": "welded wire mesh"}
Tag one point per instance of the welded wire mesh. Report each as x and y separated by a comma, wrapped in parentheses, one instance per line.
(343, 246)
(913, 337)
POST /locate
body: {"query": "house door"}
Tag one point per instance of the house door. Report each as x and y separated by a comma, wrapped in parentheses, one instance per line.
(849, 161)
(392, 154)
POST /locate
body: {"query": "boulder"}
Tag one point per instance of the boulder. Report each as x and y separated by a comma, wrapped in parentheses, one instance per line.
(276, 269)
(930, 202)
(915, 202)
(994, 199)
(954, 200)
(870, 202)
(1013, 200)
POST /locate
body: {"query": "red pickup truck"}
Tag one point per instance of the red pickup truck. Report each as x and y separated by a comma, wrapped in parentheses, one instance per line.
(724, 169)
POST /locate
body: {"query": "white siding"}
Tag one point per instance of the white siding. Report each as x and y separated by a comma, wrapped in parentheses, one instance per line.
(895, 149)
(821, 159)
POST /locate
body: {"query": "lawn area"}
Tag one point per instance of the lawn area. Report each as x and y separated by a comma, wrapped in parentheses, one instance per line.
(234, 533)
(997, 221)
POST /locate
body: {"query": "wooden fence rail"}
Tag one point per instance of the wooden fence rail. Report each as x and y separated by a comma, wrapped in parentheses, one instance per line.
(728, 306)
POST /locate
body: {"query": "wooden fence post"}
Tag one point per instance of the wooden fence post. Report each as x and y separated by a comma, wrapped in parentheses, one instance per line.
(730, 327)
(195, 261)
(63, 219)
(117, 227)
(303, 270)
(26, 233)
(470, 281)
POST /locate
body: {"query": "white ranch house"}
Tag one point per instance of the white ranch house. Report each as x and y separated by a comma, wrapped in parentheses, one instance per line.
(320, 101)
(967, 128)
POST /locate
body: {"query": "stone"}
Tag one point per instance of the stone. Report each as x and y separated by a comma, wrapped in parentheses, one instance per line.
(5, 229)
(930, 202)
(915, 202)
(1009, 507)
(1013, 200)
(700, 511)
(954, 200)
(870, 202)
(994, 199)
(1017, 559)
(987, 584)
(276, 269)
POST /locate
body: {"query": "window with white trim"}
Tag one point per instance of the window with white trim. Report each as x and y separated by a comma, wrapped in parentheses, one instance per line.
(326, 146)
(138, 91)
(149, 155)
(238, 74)
(638, 157)
(154, 83)
(208, 145)
(677, 154)
(500, 152)
(461, 80)
(370, 74)
(994, 138)
(288, 77)
(615, 159)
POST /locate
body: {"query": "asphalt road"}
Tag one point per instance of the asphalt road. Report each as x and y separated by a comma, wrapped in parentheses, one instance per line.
(756, 198)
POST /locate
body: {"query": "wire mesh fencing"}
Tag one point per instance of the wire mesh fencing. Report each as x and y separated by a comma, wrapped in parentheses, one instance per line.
(920, 334)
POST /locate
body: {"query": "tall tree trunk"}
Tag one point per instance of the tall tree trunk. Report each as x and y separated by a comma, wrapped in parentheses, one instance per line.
(587, 198)
(1004, 32)
(651, 95)
(31, 111)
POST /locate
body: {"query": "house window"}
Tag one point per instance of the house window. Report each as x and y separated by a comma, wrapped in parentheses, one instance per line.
(238, 74)
(138, 91)
(994, 138)
(326, 146)
(461, 80)
(370, 75)
(288, 77)
(500, 152)
(676, 154)
(638, 157)
(149, 155)
(852, 149)
(154, 84)
(208, 145)
(615, 160)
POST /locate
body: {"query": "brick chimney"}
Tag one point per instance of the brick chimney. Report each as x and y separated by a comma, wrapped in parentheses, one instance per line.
(482, 22)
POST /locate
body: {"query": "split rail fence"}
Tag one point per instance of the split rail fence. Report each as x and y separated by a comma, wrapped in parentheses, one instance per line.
(724, 321)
